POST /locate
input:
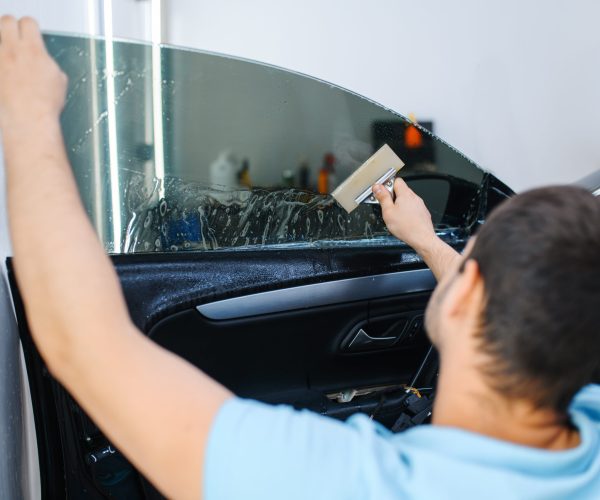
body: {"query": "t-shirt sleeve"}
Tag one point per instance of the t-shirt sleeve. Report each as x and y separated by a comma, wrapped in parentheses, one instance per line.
(587, 401)
(261, 451)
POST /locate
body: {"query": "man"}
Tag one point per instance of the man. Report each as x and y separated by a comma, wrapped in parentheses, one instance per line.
(515, 322)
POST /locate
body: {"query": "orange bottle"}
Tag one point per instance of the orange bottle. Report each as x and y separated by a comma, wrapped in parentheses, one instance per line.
(326, 170)
(413, 139)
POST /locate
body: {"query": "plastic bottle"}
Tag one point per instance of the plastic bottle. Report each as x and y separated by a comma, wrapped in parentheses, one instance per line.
(326, 180)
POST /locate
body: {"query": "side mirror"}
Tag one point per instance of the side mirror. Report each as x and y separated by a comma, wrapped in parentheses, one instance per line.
(435, 191)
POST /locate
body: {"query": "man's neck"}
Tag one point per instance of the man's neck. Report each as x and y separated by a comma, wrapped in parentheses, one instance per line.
(464, 401)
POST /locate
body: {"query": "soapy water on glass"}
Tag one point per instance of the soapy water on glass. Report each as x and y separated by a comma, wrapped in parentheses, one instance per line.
(196, 216)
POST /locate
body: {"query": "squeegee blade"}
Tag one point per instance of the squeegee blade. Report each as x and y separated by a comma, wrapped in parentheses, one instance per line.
(369, 173)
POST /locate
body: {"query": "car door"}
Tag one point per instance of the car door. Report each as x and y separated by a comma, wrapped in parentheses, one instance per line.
(201, 174)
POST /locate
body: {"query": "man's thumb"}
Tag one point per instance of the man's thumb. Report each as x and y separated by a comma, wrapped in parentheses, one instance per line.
(383, 196)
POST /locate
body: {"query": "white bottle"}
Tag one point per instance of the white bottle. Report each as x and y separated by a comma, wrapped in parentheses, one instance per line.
(223, 171)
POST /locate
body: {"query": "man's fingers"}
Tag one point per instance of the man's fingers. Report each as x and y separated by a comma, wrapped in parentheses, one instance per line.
(9, 30)
(30, 31)
(400, 186)
(384, 197)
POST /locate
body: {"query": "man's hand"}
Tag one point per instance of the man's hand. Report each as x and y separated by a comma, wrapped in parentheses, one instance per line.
(32, 86)
(408, 219)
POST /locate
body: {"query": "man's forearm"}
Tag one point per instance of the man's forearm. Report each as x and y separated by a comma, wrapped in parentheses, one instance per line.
(438, 255)
(408, 219)
(64, 275)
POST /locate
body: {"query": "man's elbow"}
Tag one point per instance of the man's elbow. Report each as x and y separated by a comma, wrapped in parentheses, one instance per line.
(72, 344)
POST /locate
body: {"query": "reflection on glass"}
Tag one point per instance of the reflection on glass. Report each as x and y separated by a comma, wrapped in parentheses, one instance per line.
(249, 152)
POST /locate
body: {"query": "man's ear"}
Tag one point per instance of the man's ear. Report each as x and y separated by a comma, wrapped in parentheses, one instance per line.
(467, 291)
(469, 246)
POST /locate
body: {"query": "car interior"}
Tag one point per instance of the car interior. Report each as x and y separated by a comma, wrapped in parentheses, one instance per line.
(272, 289)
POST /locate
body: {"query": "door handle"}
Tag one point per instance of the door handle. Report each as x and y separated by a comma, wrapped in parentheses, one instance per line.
(362, 341)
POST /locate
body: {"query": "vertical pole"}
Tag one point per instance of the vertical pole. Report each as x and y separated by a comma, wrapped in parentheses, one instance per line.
(157, 97)
(115, 189)
(98, 216)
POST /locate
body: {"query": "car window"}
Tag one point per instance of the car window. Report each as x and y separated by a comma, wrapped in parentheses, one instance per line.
(177, 149)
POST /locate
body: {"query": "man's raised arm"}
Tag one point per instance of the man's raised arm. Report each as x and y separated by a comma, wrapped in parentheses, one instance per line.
(408, 219)
(154, 406)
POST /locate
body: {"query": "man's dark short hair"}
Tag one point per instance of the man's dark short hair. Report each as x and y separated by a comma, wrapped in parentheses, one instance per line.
(539, 256)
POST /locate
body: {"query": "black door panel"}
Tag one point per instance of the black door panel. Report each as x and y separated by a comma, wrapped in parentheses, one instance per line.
(332, 368)
(158, 285)
(258, 356)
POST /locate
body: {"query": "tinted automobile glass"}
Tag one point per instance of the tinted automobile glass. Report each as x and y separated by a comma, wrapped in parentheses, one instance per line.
(176, 149)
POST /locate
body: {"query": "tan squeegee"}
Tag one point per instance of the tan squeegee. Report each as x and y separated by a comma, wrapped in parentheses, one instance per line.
(379, 168)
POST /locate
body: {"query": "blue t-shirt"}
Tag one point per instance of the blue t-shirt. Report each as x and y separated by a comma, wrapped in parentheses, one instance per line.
(257, 451)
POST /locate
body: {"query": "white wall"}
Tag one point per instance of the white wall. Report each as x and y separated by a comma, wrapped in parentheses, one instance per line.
(130, 17)
(515, 84)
